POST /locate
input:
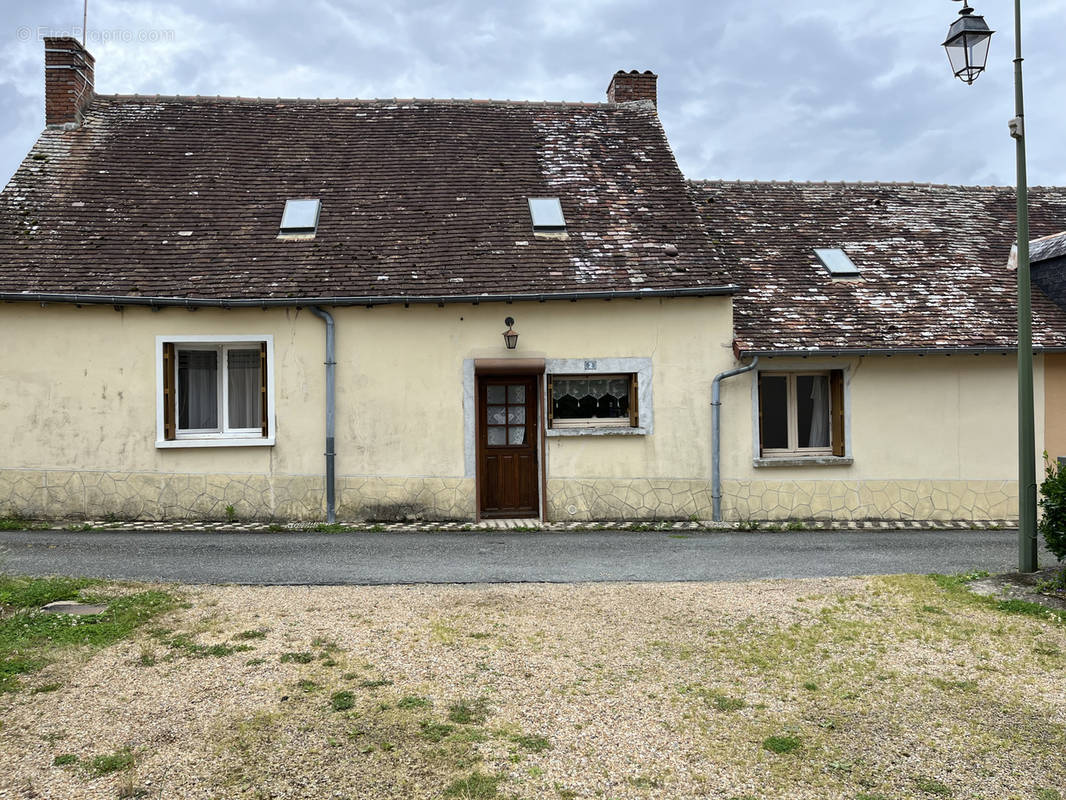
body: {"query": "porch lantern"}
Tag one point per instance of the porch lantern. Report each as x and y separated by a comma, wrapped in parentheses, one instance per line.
(967, 44)
(509, 336)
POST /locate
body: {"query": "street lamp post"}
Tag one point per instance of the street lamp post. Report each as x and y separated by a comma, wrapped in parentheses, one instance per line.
(967, 47)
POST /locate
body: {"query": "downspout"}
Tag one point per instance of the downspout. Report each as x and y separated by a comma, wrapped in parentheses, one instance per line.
(331, 363)
(716, 436)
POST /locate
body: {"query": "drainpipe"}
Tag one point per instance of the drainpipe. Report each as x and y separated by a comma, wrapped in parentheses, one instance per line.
(331, 363)
(716, 436)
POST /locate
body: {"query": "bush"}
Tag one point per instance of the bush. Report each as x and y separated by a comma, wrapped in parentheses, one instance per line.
(1053, 505)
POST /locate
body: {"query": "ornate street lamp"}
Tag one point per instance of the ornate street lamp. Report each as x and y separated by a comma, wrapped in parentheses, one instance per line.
(967, 46)
(510, 338)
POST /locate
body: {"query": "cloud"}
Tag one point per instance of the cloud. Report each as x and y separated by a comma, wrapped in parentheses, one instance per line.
(748, 88)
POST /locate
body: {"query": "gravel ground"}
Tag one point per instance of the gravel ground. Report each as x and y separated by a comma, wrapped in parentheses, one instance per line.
(873, 687)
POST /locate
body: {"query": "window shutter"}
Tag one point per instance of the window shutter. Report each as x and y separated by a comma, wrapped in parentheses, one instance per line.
(169, 398)
(263, 388)
(550, 401)
(759, 379)
(836, 410)
(634, 415)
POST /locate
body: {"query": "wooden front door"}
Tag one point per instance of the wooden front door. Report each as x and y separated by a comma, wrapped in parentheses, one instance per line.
(507, 435)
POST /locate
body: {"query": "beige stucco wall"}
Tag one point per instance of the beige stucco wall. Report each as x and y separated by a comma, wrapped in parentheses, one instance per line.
(1054, 405)
(78, 409)
(931, 437)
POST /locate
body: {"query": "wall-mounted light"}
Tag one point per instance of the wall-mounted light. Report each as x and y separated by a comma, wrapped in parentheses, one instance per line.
(509, 336)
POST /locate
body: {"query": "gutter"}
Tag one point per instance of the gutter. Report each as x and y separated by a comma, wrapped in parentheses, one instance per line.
(331, 455)
(716, 436)
(895, 351)
(367, 300)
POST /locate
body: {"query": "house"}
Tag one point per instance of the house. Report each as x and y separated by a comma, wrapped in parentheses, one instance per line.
(884, 321)
(294, 308)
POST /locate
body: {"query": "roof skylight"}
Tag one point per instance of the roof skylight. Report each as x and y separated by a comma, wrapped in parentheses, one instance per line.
(837, 262)
(547, 214)
(300, 217)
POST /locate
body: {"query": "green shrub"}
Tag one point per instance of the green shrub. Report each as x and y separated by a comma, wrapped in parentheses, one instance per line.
(1053, 503)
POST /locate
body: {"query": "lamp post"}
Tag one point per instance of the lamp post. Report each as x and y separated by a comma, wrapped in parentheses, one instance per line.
(967, 48)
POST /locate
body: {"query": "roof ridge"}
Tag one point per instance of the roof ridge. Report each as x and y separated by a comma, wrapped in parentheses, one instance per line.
(353, 101)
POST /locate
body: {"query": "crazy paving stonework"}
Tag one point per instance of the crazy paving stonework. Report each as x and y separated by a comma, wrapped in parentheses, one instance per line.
(54, 493)
(606, 499)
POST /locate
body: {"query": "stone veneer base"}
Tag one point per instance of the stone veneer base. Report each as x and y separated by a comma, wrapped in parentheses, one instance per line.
(150, 496)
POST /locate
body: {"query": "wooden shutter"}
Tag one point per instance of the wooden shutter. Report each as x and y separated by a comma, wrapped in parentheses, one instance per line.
(634, 415)
(169, 394)
(758, 377)
(550, 400)
(836, 410)
(263, 389)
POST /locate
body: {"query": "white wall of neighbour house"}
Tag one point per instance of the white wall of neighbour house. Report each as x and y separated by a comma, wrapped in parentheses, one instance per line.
(78, 411)
(931, 437)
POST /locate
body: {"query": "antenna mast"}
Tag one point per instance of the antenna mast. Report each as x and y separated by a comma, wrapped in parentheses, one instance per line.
(84, 21)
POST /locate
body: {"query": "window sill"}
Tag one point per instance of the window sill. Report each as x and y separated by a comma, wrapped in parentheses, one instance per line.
(606, 430)
(258, 441)
(804, 461)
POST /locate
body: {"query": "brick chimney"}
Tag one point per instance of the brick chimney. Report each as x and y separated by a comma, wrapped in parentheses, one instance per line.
(68, 80)
(629, 86)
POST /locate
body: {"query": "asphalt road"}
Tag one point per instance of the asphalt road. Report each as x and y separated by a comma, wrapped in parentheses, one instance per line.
(481, 557)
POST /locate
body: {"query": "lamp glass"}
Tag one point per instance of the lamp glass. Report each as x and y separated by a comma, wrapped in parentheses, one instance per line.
(967, 46)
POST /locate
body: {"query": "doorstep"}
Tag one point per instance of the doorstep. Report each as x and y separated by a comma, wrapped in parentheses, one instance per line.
(527, 525)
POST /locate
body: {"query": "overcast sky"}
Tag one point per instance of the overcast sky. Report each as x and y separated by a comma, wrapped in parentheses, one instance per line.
(809, 90)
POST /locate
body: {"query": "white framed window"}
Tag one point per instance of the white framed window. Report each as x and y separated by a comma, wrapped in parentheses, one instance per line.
(801, 414)
(215, 391)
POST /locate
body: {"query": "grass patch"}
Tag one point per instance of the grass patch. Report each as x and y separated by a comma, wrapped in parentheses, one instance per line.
(36, 592)
(1048, 794)
(29, 638)
(248, 635)
(64, 760)
(21, 524)
(434, 731)
(342, 701)
(306, 685)
(932, 786)
(375, 684)
(297, 658)
(413, 701)
(782, 744)
(475, 787)
(48, 687)
(105, 764)
(956, 587)
(534, 744)
(184, 645)
(468, 713)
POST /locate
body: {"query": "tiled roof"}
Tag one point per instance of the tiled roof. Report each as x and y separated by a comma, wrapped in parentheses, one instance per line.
(1047, 247)
(933, 261)
(182, 197)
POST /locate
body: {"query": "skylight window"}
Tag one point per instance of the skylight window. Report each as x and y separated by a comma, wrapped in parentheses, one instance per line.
(547, 214)
(837, 262)
(300, 217)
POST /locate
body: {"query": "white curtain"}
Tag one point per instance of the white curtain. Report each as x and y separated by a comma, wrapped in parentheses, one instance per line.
(819, 412)
(198, 389)
(242, 369)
